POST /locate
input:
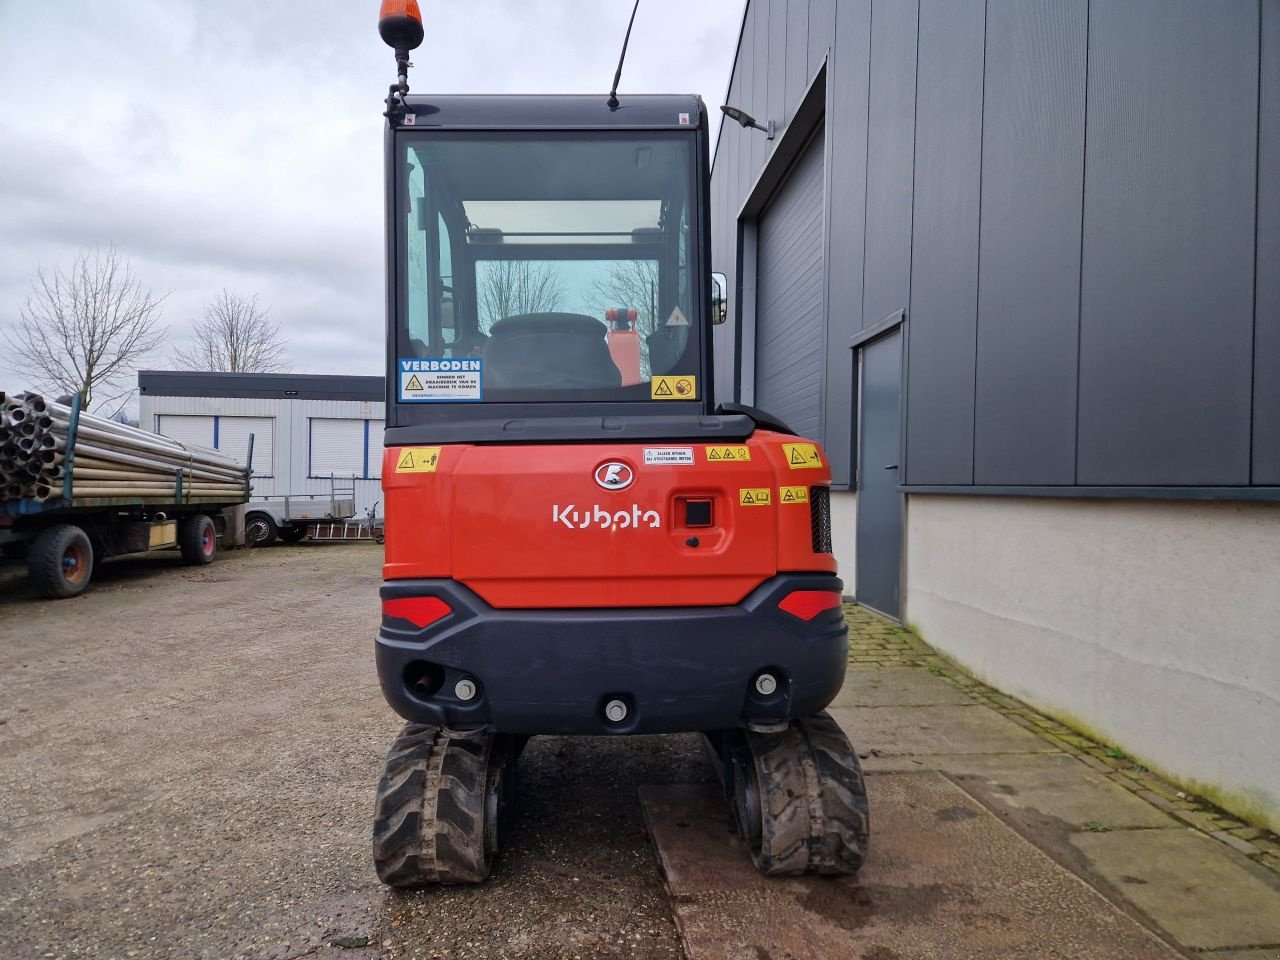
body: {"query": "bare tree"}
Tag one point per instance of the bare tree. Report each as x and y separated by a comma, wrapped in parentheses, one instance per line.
(510, 287)
(235, 336)
(84, 330)
(632, 284)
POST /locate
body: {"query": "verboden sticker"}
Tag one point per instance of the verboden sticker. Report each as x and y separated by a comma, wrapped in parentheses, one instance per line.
(668, 455)
(441, 380)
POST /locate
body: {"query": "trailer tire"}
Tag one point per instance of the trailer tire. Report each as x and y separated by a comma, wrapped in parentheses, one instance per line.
(260, 530)
(60, 561)
(197, 539)
(293, 533)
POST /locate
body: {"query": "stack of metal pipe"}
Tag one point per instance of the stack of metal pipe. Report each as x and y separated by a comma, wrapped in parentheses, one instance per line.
(108, 459)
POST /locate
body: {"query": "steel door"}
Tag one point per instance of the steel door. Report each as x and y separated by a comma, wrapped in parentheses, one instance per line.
(879, 535)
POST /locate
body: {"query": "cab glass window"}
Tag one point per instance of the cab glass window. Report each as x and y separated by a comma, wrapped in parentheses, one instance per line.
(548, 268)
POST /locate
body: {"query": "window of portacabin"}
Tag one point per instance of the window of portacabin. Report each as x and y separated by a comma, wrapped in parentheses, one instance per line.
(366, 465)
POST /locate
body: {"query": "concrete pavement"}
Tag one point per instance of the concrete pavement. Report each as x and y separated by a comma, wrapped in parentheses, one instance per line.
(996, 832)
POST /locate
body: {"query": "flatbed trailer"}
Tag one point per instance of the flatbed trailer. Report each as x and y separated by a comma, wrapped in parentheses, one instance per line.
(62, 538)
(291, 516)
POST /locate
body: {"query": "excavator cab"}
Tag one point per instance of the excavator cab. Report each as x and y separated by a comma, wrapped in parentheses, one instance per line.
(577, 540)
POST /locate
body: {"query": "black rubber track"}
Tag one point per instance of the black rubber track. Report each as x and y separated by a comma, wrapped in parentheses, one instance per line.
(814, 816)
(430, 815)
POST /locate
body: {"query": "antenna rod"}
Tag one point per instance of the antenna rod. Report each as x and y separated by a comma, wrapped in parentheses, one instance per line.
(613, 94)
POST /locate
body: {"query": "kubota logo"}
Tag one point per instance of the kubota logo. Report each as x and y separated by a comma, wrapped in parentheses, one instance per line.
(614, 475)
(602, 519)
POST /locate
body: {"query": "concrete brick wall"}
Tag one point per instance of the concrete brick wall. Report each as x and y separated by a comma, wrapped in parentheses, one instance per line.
(1154, 625)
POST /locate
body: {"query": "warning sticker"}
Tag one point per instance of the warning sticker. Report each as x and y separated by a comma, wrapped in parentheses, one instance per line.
(674, 388)
(793, 494)
(668, 455)
(677, 318)
(802, 456)
(417, 460)
(441, 380)
(737, 454)
(755, 496)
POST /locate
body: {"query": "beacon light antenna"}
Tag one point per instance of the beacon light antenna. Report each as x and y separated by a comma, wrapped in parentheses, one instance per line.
(617, 76)
(400, 26)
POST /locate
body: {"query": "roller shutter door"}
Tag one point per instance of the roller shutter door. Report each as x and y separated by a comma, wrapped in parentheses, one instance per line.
(233, 440)
(337, 448)
(186, 429)
(790, 327)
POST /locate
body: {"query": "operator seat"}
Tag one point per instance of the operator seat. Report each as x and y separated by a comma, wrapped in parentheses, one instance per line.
(549, 351)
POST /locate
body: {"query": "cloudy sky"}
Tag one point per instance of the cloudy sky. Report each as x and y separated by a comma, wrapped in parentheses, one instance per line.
(238, 143)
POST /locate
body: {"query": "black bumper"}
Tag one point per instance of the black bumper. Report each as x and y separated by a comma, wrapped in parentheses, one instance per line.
(678, 669)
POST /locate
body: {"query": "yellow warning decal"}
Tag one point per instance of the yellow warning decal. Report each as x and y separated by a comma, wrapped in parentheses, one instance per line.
(802, 456)
(674, 388)
(736, 454)
(755, 496)
(793, 494)
(418, 460)
(413, 384)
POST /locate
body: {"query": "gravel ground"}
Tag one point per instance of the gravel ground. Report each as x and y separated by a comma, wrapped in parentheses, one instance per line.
(187, 765)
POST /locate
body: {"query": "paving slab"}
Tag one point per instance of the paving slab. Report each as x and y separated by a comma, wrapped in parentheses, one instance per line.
(895, 731)
(945, 879)
(1054, 791)
(898, 687)
(1206, 896)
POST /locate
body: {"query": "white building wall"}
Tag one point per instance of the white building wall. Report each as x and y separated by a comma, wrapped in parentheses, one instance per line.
(1151, 625)
(844, 533)
(288, 472)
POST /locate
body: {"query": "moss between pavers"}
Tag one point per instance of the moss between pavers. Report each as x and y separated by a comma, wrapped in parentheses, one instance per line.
(1193, 803)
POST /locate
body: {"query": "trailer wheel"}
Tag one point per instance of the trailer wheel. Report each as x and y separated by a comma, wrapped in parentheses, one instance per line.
(60, 561)
(260, 530)
(293, 533)
(197, 539)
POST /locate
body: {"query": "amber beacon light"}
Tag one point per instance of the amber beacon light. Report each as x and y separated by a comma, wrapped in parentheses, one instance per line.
(400, 24)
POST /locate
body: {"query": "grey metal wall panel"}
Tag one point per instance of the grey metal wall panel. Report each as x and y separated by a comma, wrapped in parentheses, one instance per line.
(764, 49)
(790, 328)
(944, 255)
(846, 212)
(1029, 277)
(797, 56)
(890, 153)
(1266, 378)
(822, 33)
(777, 91)
(1167, 272)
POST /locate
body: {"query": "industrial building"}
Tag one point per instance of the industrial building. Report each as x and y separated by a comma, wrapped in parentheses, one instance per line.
(1017, 264)
(309, 431)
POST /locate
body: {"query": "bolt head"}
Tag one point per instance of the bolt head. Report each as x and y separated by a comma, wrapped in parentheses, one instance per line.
(615, 711)
(465, 689)
(766, 684)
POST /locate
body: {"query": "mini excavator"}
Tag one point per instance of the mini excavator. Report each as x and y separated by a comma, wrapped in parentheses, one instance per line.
(578, 541)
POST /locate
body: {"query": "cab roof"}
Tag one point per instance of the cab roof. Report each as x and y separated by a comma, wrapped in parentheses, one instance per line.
(554, 112)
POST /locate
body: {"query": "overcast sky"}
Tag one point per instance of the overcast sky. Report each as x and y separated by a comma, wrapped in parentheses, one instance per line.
(238, 143)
